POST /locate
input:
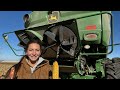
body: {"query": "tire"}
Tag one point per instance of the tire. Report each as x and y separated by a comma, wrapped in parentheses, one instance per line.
(112, 68)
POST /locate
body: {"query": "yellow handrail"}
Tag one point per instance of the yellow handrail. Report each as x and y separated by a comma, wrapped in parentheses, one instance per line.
(55, 71)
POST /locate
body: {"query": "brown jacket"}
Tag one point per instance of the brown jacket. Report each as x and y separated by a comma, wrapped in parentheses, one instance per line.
(24, 72)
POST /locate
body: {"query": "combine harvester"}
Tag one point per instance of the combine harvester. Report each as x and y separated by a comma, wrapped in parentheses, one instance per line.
(78, 41)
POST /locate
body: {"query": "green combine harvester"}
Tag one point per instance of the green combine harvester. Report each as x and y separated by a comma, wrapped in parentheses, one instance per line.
(78, 40)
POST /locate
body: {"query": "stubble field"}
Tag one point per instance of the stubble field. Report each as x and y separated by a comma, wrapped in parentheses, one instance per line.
(4, 67)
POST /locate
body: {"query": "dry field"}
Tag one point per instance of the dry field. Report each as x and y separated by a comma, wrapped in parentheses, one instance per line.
(4, 66)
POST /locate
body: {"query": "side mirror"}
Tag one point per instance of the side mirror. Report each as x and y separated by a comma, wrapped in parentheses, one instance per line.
(5, 37)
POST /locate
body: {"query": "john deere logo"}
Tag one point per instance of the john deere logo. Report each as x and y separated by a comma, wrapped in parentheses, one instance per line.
(52, 18)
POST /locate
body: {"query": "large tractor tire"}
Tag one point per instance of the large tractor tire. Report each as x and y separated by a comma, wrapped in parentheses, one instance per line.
(112, 68)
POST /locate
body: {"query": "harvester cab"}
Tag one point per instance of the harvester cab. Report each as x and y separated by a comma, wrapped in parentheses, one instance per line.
(77, 40)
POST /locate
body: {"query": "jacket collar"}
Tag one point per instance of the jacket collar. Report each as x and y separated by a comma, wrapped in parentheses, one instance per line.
(39, 64)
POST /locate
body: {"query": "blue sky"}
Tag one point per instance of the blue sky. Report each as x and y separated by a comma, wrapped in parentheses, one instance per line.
(13, 20)
(10, 21)
(116, 28)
